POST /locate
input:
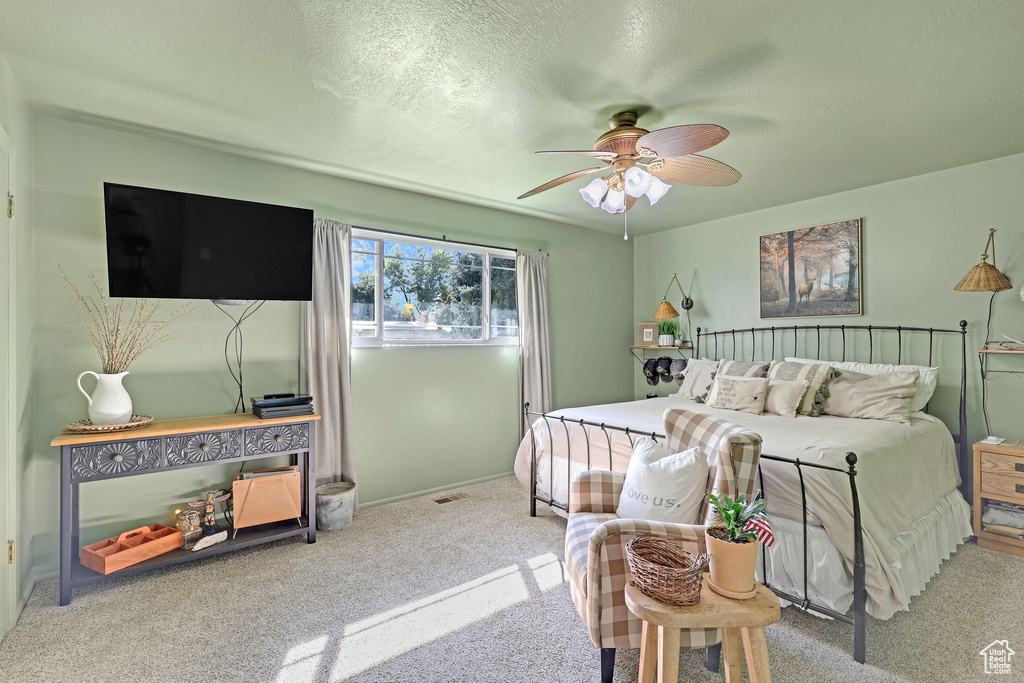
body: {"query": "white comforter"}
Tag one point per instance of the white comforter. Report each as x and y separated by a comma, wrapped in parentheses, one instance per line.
(902, 472)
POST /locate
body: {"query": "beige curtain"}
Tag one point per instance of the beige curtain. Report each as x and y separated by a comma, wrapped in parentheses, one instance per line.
(534, 329)
(326, 347)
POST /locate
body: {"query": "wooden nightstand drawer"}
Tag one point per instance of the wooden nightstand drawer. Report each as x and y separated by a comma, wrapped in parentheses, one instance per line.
(999, 485)
(1002, 463)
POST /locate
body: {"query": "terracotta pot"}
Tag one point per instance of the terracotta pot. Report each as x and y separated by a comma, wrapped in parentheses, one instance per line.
(732, 566)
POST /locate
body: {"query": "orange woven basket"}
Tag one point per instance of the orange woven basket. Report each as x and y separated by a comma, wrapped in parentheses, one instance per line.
(665, 571)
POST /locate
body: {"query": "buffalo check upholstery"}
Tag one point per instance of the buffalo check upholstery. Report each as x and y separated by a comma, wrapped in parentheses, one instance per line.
(596, 538)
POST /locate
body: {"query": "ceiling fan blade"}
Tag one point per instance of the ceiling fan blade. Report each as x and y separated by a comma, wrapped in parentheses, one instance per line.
(558, 181)
(581, 153)
(678, 141)
(693, 169)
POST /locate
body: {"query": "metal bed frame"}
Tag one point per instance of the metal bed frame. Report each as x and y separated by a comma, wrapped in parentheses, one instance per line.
(857, 619)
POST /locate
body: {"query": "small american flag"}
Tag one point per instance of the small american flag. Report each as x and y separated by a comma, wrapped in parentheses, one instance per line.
(762, 529)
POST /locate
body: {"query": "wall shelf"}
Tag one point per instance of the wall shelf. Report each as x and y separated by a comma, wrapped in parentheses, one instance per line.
(644, 349)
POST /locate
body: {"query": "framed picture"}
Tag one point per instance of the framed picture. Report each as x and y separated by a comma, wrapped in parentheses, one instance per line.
(812, 272)
(647, 334)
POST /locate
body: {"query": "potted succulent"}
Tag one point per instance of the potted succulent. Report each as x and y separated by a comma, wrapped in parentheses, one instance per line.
(667, 330)
(732, 547)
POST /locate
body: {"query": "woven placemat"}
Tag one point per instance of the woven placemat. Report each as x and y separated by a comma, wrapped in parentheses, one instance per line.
(86, 426)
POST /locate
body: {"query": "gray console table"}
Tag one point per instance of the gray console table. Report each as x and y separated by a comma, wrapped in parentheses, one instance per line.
(167, 445)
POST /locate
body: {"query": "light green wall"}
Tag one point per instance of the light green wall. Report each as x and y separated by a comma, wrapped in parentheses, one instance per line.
(919, 237)
(425, 418)
(16, 427)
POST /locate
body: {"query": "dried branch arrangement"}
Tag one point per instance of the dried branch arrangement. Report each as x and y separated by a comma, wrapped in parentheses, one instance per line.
(121, 333)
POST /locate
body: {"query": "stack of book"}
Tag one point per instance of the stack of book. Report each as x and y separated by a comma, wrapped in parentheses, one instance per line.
(281, 405)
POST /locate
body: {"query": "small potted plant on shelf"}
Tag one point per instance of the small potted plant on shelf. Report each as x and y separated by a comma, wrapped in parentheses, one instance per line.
(667, 330)
(732, 545)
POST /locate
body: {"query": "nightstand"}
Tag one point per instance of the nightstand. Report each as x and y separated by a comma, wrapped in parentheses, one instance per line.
(998, 476)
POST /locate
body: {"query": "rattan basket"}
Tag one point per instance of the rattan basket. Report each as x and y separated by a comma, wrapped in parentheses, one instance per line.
(665, 571)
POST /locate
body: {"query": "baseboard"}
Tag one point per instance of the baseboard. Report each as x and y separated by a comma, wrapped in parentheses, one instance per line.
(427, 492)
(23, 595)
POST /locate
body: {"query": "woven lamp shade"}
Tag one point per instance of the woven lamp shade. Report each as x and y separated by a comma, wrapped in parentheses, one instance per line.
(665, 311)
(983, 277)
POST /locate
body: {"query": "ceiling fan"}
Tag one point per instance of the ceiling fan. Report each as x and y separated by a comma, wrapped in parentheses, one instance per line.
(668, 155)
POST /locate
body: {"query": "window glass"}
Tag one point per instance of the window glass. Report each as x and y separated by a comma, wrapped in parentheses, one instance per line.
(504, 316)
(364, 288)
(431, 293)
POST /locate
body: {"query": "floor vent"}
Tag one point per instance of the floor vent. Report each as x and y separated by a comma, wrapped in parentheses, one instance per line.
(448, 499)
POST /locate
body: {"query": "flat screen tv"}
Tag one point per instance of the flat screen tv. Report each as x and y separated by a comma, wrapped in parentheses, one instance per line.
(173, 245)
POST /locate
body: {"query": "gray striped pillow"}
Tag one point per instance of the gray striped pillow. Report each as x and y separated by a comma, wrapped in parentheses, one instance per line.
(817, 375)
(737, 368)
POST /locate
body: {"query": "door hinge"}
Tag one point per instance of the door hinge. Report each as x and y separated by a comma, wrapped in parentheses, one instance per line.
(10, 552)
(10, 206)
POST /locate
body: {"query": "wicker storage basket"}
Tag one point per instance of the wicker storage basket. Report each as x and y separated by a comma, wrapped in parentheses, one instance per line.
(664, 571)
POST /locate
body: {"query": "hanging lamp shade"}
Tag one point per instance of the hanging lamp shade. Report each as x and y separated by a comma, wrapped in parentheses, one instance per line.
(985, 277)
(665, 310)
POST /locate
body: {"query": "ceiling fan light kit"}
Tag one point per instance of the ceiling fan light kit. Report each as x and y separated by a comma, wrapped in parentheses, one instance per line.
(657, 190)
(614, 202)
(637, 181)
(645, 162)
(594, 192)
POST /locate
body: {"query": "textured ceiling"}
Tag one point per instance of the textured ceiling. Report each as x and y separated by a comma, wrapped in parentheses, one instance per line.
(453, 98)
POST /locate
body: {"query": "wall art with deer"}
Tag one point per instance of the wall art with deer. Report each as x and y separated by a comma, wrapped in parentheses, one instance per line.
(812, 272)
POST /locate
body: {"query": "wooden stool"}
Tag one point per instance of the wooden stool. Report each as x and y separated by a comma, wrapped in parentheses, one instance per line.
(742, 623)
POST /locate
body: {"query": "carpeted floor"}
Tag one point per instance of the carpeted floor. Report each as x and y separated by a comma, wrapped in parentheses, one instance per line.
(472, 590)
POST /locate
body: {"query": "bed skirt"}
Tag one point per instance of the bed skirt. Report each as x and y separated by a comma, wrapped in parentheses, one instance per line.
(921, 551)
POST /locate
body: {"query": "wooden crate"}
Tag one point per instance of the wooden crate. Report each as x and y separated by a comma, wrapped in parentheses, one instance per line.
(130, 548)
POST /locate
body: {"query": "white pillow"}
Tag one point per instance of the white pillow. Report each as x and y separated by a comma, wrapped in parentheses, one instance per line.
(745, 394)
(663, 487)
(927, 377)
(884, 396)
(697, 378)
(783, 396)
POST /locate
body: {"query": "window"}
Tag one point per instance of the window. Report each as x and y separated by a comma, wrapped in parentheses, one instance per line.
(407, 290)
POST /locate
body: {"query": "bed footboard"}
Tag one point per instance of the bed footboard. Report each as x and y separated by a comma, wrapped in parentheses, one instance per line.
(857, 618)
(558, 427)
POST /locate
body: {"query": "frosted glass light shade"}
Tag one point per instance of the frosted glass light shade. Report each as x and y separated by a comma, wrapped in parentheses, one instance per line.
(657, 190)
(615, 202)
(637, 181)
(594, 192)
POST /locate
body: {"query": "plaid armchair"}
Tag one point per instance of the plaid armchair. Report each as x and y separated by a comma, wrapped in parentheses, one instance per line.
(596, 538)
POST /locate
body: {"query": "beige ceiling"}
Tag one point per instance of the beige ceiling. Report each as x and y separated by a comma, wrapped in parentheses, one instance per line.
(453, 98)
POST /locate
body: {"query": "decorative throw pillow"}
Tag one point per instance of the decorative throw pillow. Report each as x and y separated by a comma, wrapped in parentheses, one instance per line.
(927, 377)
(663, 487)
(872, 397)
(745, 394)
(732, 368)
(737, 368)
(697, 378)
(817, 375)
(784, 396)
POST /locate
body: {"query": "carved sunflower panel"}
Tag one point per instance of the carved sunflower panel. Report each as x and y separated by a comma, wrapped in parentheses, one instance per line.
(118, 457)
(206, 447)
(277, 439)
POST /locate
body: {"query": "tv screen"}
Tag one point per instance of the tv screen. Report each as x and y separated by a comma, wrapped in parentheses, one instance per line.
(173, 245)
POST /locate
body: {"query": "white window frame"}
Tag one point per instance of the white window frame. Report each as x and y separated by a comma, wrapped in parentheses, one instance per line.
(377, 340)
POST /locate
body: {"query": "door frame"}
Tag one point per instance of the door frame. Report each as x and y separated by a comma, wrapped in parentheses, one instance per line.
(8, 472)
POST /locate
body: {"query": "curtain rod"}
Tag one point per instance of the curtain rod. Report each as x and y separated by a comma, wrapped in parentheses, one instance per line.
(444, 238)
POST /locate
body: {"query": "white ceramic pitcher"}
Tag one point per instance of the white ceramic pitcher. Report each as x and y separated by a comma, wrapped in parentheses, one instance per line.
(110, 403)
